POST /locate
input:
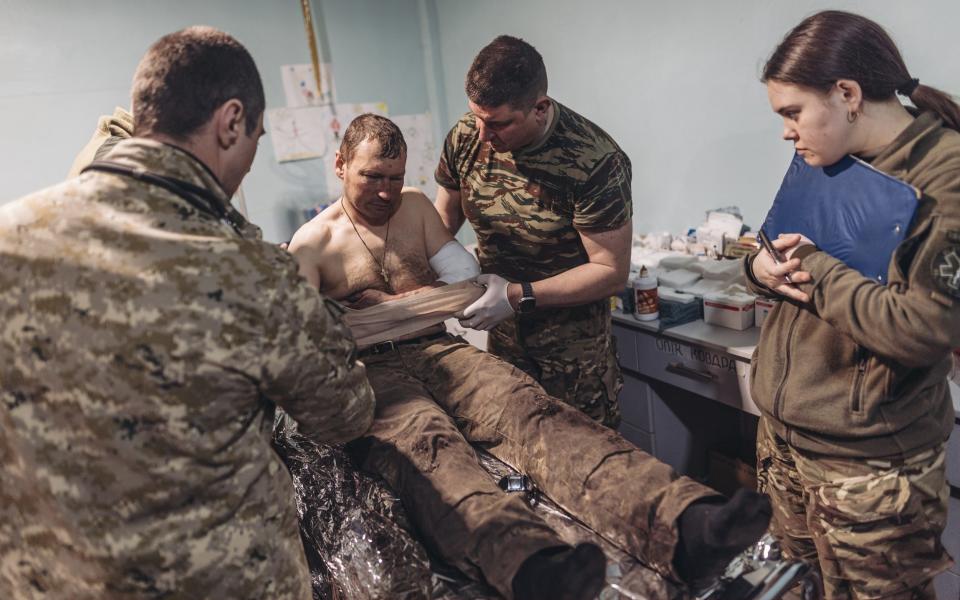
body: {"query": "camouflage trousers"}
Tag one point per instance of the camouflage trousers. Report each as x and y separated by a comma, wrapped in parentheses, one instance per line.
(873, 526)
(436, 398)
(570, 351)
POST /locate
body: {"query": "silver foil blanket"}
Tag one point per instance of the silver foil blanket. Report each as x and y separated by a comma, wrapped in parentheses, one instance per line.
(361, 546)
(355, 533)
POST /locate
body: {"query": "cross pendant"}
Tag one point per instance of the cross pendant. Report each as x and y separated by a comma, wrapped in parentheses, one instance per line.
(383, 273)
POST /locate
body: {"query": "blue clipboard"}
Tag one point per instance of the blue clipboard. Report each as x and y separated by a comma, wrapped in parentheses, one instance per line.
(850, 210)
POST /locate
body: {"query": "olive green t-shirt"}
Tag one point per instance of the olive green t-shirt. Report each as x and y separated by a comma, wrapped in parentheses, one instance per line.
(527, 206)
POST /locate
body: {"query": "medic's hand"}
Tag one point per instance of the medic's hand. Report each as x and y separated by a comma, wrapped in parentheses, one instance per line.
(774, 276)
(490, 308)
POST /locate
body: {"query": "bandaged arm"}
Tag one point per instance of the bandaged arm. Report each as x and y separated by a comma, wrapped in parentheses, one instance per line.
(397, 318)
(453, 263)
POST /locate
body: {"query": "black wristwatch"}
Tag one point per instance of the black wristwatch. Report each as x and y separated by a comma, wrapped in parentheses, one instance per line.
(528, 302)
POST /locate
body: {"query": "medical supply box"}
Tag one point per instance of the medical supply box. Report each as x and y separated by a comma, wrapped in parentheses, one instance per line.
(733, 310)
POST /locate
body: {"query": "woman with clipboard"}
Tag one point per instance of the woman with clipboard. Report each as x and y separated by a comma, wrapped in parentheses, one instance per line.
(851, 371)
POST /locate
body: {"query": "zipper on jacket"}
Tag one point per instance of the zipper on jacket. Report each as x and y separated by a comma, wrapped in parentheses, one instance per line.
(777, 412)
(862, 358)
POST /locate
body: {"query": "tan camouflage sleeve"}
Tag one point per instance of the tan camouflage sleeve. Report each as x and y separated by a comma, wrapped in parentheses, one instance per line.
(604, 201)
(447, 172)
(310, 368)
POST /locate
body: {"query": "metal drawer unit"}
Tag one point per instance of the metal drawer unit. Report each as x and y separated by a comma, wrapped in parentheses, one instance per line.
(703, 371)
(639, 438)
(626, 346)
(951, 535)
(637, 413)
(635, 403)
(637, 417)
(947, 586)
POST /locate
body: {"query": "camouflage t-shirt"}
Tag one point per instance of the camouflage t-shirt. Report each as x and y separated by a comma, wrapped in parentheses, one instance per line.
(527, 206)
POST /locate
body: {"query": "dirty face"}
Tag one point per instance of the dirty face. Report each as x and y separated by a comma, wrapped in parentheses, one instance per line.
(372, 184)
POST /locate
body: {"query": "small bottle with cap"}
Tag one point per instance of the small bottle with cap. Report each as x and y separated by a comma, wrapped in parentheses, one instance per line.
(646, 305)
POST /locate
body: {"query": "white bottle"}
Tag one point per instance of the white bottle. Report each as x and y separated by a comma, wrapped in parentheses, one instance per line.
(646, 305)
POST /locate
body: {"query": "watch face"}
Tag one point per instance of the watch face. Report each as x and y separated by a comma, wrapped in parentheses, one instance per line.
(527, 304)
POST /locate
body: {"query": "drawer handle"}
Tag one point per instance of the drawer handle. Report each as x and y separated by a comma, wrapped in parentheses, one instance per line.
(685, 371)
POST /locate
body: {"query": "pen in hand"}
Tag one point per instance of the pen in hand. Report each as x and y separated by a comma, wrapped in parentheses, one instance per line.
(775, 254)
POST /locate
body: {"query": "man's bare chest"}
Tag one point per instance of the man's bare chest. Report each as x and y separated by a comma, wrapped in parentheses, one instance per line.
(398, 266)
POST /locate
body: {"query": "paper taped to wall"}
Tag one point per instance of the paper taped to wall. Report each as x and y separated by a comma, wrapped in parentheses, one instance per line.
(422, 153)
(298, 133)
(300, 86)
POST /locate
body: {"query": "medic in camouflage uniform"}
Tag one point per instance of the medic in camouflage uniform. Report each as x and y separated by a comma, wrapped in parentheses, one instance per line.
(148, 334)
(553, 211)
(850, 375)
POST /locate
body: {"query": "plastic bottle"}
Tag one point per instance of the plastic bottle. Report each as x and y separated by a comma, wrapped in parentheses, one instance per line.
(647, 306)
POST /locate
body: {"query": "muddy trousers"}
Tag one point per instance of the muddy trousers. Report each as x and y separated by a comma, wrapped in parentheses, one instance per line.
(872, 526)
(436, 398)
(570, 352)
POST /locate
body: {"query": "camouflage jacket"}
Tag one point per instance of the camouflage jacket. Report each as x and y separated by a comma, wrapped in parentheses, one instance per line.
(527, 206)
(143, 347)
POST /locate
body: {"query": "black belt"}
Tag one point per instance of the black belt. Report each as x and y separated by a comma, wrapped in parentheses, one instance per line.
(390, 345)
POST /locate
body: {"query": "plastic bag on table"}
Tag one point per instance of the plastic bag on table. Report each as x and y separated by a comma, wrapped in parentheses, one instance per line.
(355, 533)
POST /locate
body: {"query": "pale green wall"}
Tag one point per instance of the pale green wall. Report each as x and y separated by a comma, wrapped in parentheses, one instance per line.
(676, 83)
(63, 63)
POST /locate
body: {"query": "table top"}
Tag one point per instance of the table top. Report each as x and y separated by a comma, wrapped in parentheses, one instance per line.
(739, 344)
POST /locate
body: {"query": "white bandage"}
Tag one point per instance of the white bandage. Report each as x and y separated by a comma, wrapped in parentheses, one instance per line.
(452, 263)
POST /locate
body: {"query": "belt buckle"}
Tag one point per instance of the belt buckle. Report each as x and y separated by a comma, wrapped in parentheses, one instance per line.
(383, 347)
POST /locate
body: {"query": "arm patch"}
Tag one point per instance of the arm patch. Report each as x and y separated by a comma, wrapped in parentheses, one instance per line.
(946, 270)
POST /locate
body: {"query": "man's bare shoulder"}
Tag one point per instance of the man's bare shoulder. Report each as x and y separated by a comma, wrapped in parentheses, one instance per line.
(416, 200)
(424, 213)
(317, 232)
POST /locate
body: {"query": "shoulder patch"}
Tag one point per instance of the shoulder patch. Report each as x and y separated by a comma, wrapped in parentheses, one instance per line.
(946, 270)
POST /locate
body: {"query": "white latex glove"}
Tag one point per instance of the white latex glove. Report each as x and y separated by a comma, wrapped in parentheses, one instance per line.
(490, 308)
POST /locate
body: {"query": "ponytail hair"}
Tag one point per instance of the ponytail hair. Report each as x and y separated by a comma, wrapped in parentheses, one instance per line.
(936, 101)
(833, 45)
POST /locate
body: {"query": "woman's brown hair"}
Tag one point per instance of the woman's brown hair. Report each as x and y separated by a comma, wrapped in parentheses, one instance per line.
(833, 45)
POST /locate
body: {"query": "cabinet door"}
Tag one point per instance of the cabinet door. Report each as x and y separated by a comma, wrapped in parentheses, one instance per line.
(635, 403)
(625, 339)
(951, 535)
(641, 439)
(947, 585)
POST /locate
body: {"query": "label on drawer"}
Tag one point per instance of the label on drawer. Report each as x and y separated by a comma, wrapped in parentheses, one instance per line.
(721, 361)
(697, 369)
(697, 354)
(669, 346)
